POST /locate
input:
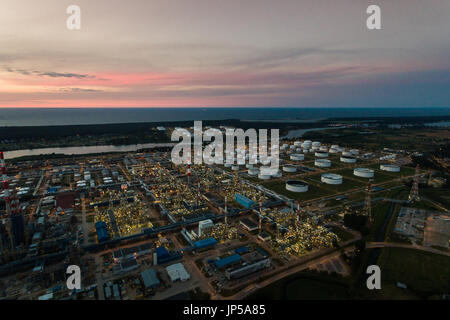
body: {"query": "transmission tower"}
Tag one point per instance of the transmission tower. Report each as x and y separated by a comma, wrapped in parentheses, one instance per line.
(414, 194)
(368, 202)
(260, 217)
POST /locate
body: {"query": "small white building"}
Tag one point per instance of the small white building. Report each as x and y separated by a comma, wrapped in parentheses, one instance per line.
(204, 225)
(177, 272)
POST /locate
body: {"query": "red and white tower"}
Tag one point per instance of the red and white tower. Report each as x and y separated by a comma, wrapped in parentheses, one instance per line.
(414, 194)
(188, 172)
(260, 216)
(225, 211)
(368, 202)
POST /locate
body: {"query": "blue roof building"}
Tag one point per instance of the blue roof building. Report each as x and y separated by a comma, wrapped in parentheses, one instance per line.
(161, 252)
(205, 243)
(102, 232)
(222, 263)
(243, 201)
(241, 250)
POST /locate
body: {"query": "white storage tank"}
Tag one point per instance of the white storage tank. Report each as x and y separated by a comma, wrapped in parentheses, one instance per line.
(347, 154)
(264, 176)
(322, 163)
(331, 178)
(289, 168)
(389, 167)
(363, 172)
(297, 157)
(347, 159)
(321, 154)
(296, 186)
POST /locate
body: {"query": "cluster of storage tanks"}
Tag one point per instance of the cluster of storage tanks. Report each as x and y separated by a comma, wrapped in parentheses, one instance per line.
(264, 173)
(299, 148)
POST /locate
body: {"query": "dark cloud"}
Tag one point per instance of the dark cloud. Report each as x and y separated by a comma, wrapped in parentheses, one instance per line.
(77, 90)
(49, 74)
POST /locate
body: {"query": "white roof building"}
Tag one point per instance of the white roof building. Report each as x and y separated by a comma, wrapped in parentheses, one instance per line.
(177, 272)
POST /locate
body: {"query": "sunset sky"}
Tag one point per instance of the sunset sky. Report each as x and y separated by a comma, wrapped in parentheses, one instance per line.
(206, 53)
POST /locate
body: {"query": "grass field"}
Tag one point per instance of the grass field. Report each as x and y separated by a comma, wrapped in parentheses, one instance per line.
(380, 212)
(303, 286)
(313, 192)
(423, 272)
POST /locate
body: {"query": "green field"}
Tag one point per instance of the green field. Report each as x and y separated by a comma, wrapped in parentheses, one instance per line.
(423, 272)
(303, 286)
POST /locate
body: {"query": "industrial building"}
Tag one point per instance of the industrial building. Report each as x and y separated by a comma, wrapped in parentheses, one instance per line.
(228, 261)
(205, 244)
(243, 201)
(247, 269)
(150, 279)
(177, 272)
(204, 225)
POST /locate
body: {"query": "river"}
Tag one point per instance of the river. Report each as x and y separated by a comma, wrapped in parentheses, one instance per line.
(83, 150)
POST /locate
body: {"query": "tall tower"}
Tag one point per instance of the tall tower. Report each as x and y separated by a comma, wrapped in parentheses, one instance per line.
(414, 194)
(368, 202)
(225, 211)
(260, 216)
(298, 211)
(188, 172)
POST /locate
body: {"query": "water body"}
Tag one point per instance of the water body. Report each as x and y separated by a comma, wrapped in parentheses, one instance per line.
(83, 150)
(438, 124)
(292, 134)
(72, 116)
